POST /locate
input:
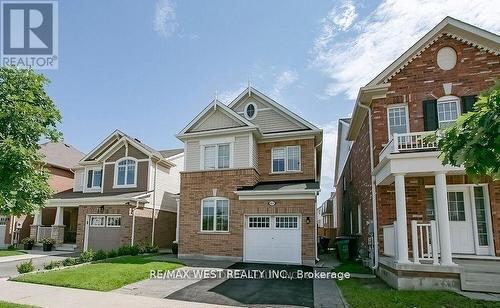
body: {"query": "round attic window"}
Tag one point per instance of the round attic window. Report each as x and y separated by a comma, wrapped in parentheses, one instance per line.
(446, 58)
(250, 111)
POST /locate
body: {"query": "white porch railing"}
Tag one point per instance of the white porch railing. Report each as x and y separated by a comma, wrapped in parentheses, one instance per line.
(409, 142)
(43, 232)
(424, 242)
(390, 240)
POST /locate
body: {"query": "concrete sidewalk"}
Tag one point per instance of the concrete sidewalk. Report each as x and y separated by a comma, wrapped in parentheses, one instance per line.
(32, 254)
(48, 296)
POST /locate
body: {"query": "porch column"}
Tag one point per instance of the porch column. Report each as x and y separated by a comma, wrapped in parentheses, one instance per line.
(58, 226)
(402, 228)
(37, 221)
(442, 218)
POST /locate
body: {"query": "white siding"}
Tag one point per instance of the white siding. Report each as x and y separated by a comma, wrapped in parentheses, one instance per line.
(241, 151)
(215, 120)
(79, 175)
(167, 184)
(192, 155)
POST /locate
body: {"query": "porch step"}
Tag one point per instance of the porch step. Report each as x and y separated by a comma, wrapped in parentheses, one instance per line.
(481, 276)
(66, 247)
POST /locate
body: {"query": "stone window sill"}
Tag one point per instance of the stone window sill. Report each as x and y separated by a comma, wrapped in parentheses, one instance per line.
(214, 233)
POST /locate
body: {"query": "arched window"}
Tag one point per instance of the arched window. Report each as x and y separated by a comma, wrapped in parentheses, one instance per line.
(215, 214)
(126, 173)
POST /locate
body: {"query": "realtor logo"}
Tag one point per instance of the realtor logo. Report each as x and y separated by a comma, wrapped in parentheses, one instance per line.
(29, 36)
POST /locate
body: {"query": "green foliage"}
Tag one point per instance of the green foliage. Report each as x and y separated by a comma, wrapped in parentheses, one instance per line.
(135, 250)
(28, 240)
(52, 265)
(11, 247)
(87, 256)
(25, 267)
(474, 140)
(27, 115)
(147, 248)
(48, 241)
(124, 250)
(69, 261)
(100, 255)
(112, 253)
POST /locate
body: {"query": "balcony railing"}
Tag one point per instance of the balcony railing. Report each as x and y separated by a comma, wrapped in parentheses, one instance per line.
(409, 142)
(424, 241)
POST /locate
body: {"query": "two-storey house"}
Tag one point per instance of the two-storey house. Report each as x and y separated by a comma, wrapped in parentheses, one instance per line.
(248, 191)
(124, 193)
(59, 159)
(428, 224)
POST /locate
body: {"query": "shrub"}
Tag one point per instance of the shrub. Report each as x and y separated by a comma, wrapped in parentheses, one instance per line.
(25, 267)
(48, 241)
(69, 261)
(28, 240)
(87, 256)
(51, 265)
(11, 247)
(100, 255)
(148, 248)
(135, 250)
(112, 253)
(124, 250)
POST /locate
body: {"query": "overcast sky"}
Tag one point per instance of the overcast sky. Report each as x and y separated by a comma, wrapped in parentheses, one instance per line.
(149, 67)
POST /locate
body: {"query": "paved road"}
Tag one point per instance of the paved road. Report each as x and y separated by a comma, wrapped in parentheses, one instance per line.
(8, 269)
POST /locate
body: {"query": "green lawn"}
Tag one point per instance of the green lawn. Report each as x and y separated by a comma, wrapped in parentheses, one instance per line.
(6, 253)
(374, 293)
(352, 267)
(105, 276)
(12, 305)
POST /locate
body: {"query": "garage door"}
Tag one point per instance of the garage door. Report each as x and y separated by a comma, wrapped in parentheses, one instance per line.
(3, 228)
(273, 239)
(103, 232)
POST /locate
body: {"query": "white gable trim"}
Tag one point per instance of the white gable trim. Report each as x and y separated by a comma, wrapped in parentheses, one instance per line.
(250, 90)
(448, 26)
(116, 133)
(212, 106)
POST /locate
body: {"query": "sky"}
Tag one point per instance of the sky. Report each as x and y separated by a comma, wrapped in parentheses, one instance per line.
(149, 67)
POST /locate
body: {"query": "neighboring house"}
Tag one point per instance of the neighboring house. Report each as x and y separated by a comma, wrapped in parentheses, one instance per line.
(328, 224)
(124, 193)
(250, 183)
(433, 226)
(59, 158)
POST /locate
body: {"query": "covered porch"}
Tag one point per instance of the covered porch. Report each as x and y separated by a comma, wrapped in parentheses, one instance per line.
(59, 223)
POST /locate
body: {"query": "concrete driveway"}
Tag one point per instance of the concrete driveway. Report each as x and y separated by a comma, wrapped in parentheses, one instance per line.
(39, 258)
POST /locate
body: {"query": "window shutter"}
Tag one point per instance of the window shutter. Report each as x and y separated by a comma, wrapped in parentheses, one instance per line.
(430, 115)
(89, 178)
(468, 103)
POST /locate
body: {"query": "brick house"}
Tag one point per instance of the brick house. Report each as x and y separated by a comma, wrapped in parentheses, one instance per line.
(250, 183)
(124, 192)
(424, 225)
(59, 159)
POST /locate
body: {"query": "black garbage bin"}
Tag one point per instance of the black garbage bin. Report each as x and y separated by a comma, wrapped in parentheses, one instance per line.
(323, 241)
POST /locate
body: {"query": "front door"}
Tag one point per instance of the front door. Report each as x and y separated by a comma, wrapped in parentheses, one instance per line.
(459, 213)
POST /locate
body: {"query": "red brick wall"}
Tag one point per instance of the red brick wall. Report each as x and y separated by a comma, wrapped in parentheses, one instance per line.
(165, 229)
(60, 179)
(422, 80)
(494, 190)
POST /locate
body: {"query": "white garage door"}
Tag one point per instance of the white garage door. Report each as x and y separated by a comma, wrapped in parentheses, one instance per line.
(103, 232)
(273, 239)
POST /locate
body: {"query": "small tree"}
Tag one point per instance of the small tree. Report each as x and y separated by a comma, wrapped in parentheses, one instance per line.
(474, 140)
(27, 115)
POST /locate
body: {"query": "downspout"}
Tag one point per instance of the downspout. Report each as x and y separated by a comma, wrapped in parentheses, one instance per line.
(133, 222)
(374, 191)
(316, 209)
(154, 207)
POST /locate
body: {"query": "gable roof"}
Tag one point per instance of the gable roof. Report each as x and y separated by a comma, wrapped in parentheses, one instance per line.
(60, 154)
(171, 152)
(377, 87)
(214, 105)
(250, 90)
(455, 28)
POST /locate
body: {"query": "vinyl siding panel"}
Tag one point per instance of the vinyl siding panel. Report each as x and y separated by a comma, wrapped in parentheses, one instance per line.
(142, 178)
(192, 155)
(216, 120)
(167, 183)
(79, 177)
(241, 151)
(132, 152)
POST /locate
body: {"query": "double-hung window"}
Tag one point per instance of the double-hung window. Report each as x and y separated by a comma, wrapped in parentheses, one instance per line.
(126, 173)
(397, 118)
(216, 156)
(94, 178)
(215, 215)
(448, 112)
(285, 159)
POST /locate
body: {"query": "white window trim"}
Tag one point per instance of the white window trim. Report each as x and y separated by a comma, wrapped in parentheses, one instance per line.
(86, 179)
(215, 215)
(394, 106)
(446, 99)
(100, 226)
(113, 216)
(245, 111)
(115, 176)
(286, 159)
(359, 220)
(275, 221)
(202, 155)
(260, 228)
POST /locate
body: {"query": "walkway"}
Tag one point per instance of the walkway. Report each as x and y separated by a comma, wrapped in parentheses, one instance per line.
(55, 297)
(39, 258)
